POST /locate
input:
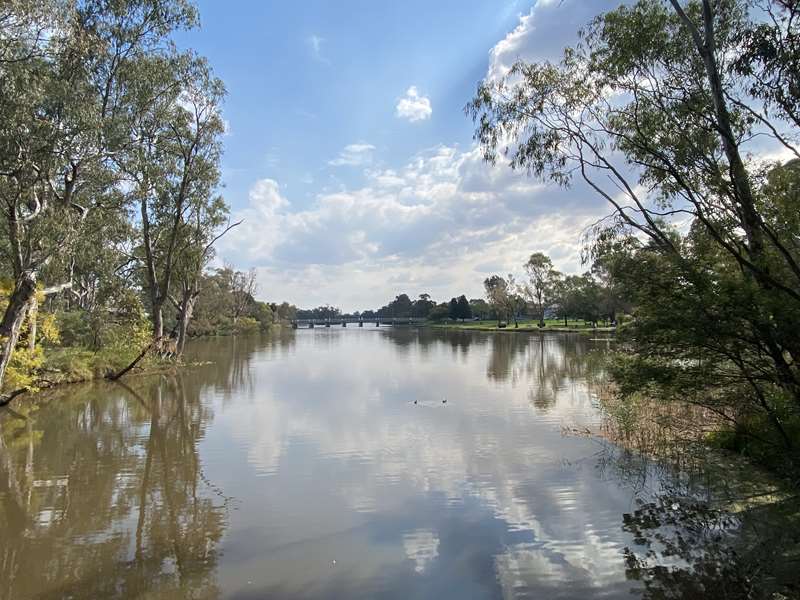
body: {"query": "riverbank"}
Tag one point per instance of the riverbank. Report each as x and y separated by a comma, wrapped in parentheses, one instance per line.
(745, 513)
(73, 368)
(68, 365)
(525, 327)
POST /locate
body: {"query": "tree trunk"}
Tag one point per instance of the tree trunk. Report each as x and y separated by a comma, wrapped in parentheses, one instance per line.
(158, 320)
(33, 313)
(185, 311)
(18, 303)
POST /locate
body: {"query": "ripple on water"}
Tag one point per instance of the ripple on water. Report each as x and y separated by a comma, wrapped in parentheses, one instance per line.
(341, 486)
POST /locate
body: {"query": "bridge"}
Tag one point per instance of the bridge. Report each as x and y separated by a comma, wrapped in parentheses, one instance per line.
(357, 321)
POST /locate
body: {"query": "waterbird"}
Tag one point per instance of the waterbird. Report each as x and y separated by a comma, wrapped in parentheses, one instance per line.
(415, 401)
(444, 400)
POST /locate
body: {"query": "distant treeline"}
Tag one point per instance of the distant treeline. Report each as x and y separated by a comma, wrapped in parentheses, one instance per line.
(543, 293)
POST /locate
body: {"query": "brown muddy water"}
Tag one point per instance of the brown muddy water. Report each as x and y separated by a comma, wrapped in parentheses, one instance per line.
(336, 463)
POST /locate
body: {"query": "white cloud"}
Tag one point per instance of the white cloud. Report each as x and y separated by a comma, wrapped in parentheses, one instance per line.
(508, 50)
(354, 155)
(542, 33)
(441, 224)
(315, 43)
(413, 106)
(261, 225)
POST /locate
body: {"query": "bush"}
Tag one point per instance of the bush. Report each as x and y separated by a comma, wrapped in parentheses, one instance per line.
(76, 328)
(247, 325)
(69, 364)
(25, 363)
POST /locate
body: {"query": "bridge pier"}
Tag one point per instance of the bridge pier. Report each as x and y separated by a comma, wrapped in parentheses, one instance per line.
(361, 323)
(311, 325)
(344, 323)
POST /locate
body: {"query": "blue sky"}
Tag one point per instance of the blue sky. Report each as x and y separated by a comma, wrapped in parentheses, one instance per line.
(350, 158)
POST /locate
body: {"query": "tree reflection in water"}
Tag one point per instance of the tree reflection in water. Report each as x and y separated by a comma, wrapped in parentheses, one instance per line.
(694, 537)
(102, 491)
(114, 503)
(548, 363)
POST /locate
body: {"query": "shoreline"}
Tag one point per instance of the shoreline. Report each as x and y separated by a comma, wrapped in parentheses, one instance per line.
(521, 329)
(45, 384)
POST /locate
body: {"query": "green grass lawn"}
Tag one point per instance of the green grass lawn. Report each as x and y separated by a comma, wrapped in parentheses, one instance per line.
(523, 324)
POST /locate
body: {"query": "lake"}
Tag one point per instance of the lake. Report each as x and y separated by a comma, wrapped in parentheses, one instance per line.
(326, 463)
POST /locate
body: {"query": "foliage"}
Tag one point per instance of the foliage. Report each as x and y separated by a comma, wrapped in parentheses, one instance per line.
(464, 309)
(224, 308)
(664, 110)
(439, 312)
(541, 285)
(110, 150)
(27, 360)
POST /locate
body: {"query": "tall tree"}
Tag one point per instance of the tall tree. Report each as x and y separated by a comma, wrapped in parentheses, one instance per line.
(423, 305)
(452, 309)
(174, 169)
(541, 280)
(515, 298)
(497, 295)
(464, 309)
(67, 75)
(479, 308)
(205, 225)
(659, 110)
(243, 289)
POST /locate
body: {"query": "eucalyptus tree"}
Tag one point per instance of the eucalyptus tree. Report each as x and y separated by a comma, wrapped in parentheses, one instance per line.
(174, 169)
(243, 291)
(539, 288)
(423, 306)
(505, 297)
(497, 293)
(666, 109)
(515, 298)
(206, 223)
(479, 308)
(67, 69)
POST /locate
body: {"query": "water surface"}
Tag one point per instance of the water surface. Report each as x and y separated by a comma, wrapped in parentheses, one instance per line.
(326, 463)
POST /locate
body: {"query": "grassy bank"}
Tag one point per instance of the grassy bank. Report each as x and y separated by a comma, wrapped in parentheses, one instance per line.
(54, 366)
(63, 366)
(572, 326)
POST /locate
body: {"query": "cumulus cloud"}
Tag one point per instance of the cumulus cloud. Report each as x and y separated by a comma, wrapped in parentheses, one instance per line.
(354, 155)
(439, 224)
(542, 33)
(430, 226)
(413, 106)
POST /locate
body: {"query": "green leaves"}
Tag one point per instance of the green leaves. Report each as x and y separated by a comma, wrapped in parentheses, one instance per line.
(662, 110)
